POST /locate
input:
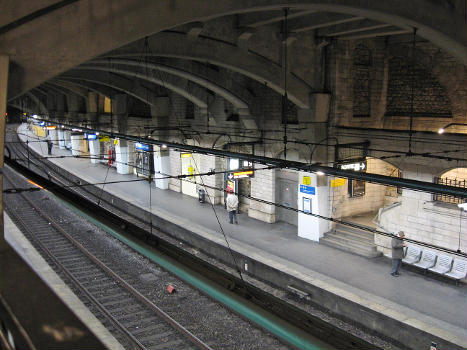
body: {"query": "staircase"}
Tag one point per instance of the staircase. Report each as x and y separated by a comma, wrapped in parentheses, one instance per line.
(352, 240)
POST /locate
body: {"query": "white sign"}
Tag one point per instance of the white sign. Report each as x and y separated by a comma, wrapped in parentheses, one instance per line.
(354, 166)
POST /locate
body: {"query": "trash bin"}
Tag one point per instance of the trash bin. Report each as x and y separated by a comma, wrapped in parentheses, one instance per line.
(201, 195)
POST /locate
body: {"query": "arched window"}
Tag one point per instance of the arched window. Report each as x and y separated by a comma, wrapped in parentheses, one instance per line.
(362, 62)
(455, 177)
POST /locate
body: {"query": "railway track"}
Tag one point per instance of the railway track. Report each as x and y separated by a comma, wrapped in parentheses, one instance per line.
(138, 319)
(142, 228)
(218, 326)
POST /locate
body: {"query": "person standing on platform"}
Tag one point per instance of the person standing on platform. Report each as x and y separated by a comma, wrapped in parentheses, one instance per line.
(397, 245)
(49, 146)
(232, 205)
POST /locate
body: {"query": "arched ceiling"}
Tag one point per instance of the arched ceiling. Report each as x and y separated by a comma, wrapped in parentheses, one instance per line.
(48, 38)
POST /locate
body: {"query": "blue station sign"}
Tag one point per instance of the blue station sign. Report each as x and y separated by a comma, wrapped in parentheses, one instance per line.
(307, 189)
(142, 147)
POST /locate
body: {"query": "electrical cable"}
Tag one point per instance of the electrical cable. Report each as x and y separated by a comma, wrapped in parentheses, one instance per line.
(222, 230)
(428, 155)
(182, 176)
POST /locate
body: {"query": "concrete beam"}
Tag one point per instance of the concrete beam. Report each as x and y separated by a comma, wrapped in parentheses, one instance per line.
(375, 33)
(42, 109)
(140, 92)
(70, 87)
(43, 48)
(352, 27)
(91, 86)
(219, 90)
(320, 20)
(256, 20)
(195, 29)
(225, 55)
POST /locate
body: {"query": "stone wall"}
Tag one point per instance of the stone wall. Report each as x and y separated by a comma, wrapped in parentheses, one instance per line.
(439, 81)
(376, 196)
(175, 169)
(425, 220)
(263, 187)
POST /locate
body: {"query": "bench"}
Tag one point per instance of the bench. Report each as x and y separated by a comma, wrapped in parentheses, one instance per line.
(427, 260)
(443, 265)
(458, 271)
(412, 255)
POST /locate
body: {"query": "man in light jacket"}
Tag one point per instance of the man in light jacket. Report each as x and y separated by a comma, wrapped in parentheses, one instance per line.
(232, 205)
(397, 245)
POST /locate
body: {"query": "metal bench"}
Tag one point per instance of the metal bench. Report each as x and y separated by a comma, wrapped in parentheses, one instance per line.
(412, 256)
(427, 261)
(443, 265)
(459, 270)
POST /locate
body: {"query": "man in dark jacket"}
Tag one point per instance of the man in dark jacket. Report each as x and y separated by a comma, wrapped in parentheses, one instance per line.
(397, 245)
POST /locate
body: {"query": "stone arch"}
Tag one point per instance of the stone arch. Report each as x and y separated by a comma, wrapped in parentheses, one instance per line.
(456, 177)
(293, 154)
(61, 39)
(237, 102)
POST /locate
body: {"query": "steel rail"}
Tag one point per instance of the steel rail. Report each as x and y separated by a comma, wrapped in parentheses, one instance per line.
(191, 337)
(68, 273)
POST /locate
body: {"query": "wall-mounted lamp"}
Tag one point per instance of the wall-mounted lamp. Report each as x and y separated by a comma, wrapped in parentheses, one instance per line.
(440, 131)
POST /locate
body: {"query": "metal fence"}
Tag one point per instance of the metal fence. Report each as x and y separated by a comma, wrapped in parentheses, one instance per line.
(449, 182)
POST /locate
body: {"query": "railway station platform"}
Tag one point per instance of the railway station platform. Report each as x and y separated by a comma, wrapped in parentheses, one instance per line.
(413, 305)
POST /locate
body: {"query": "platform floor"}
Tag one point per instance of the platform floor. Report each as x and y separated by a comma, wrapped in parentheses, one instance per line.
(428, 299)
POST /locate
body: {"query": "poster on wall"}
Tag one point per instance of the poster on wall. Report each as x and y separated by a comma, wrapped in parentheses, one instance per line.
(306, 205)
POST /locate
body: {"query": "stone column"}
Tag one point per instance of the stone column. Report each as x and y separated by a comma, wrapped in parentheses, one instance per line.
(53, 135)
(175, 169)
(94, 150)
(263, 186)
(121, 157)
(61, 138)
(67, 134)
(76, 144)
(208, 163)
(161, 168)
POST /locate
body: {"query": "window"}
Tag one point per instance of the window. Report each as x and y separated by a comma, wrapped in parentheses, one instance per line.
(356, 188)
(361, 81)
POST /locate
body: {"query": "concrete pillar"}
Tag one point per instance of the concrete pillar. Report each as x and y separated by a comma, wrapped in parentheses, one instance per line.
(209, 163)
(175, 169)
(121, 157)
(67, 134)
(61, 138)
(92, 102)
(94, 150)
(76, 144)
(53, 136)
(263, 186)
(313, 195)
(161, 168)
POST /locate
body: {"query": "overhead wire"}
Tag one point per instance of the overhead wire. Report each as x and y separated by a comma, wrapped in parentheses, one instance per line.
(183, 177)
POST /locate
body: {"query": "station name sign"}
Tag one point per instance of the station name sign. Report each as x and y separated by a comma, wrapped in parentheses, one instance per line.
(241, 174)
(142, 147)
